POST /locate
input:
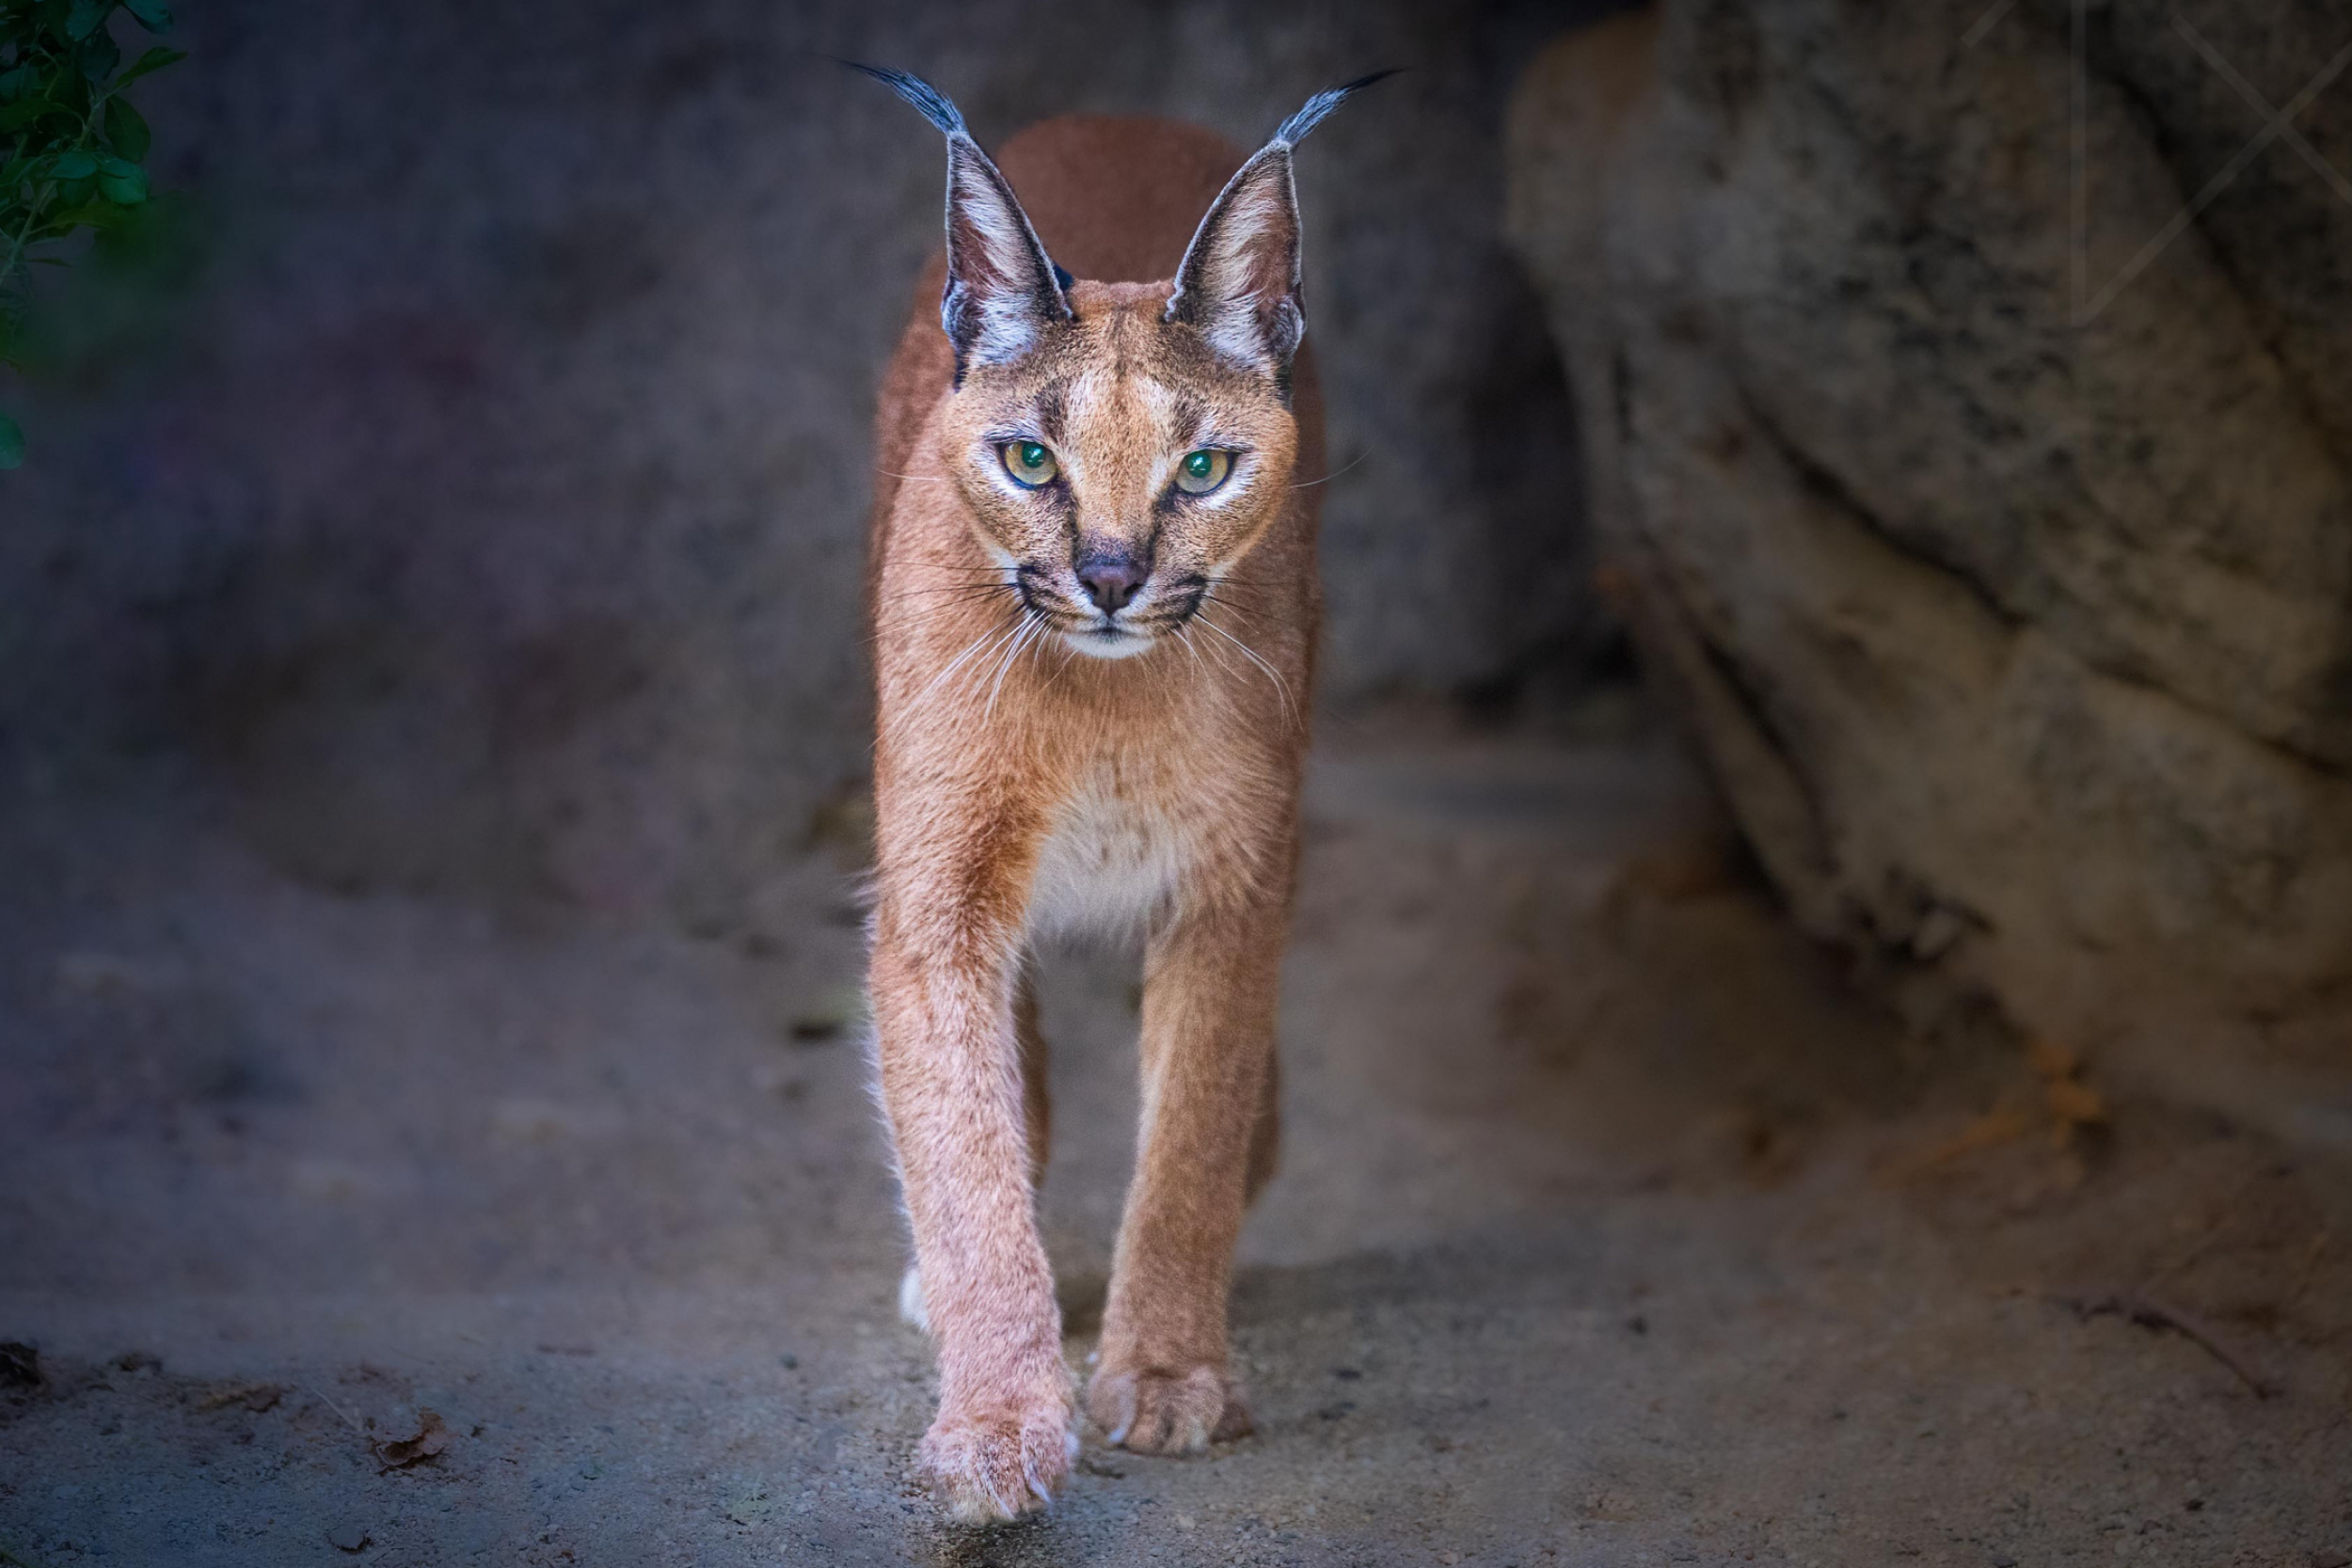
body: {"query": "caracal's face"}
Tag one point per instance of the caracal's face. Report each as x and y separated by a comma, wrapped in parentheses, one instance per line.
(1119, 469)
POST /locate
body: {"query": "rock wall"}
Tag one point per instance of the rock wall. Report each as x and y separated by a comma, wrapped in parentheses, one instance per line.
(1993, 525)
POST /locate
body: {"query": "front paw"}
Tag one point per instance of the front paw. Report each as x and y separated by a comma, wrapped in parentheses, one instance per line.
(996, 1464)
(1157, 1411)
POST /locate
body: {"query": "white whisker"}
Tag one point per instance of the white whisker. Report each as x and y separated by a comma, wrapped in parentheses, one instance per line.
(1028, 635)
(1329, 477)
(1281, 686)
(992, 637)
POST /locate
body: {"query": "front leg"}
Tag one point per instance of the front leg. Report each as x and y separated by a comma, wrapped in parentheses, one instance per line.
(1161, 1386)
(950, 1069)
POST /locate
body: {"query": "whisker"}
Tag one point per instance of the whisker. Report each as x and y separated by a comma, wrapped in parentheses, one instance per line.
(1329, 477)
(1068, 651)
(1183, 635)
(1213, 597)
(990, 637)
(967, 590)
(1225, 588)
(1028, 635)
(1281, 686)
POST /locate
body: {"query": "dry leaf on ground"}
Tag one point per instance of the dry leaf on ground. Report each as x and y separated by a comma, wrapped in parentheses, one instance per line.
(432, 1438)
(255, 1397)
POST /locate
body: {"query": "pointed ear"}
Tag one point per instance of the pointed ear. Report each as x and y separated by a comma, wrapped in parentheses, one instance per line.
(1003, 290)
(1238, 282)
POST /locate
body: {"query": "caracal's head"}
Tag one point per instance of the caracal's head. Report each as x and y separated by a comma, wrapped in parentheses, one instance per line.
(1121, 445)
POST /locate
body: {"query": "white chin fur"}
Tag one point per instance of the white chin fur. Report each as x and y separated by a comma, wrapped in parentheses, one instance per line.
(1095, 645)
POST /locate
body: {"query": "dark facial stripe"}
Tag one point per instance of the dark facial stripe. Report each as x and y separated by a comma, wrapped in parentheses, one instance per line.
(1049, 413)
(1192, 418)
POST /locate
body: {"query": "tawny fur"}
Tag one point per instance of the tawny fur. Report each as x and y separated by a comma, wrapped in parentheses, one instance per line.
(1023, 788)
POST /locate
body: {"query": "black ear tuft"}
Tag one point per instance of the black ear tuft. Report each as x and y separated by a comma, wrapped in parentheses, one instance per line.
(1239, 281)
(1311, 114)
(1003, 290)
(933, 103)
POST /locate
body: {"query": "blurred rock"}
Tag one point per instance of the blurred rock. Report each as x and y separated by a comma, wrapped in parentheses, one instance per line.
(2007, 586)
(479, 492)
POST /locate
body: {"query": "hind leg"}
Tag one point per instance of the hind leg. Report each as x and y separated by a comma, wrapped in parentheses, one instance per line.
(1266, 1135)
(1036, 1101)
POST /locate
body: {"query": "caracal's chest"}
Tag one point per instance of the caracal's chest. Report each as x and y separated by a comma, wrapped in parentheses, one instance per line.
(1115, 855)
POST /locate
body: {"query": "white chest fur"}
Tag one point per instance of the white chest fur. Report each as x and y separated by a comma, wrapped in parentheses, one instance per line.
(1111, 866)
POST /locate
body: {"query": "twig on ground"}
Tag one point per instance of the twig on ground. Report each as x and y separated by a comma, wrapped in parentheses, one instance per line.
(2002, 1124)
(2220, 1222)
(2310, 1261)
(338, 1409)
(2150, 1314)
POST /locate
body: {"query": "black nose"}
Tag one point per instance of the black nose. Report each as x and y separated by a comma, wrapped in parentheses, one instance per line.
(1111, 581)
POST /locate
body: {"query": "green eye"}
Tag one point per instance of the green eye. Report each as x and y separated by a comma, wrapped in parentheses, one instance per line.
(1200, 472)
(1029, 463)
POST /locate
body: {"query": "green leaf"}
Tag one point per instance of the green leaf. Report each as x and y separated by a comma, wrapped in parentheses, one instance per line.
(16, 115)
(127, 189)
(154, 14)
(86, 18)
(127, 129)
(16, 83)
(11, 443)
(99, 54)
(154, 59)
(88, 214)
(76, 164)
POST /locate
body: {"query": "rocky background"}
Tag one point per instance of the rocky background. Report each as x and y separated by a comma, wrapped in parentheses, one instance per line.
(1966, 398)
(470, 484)
(434, 1123)
(463, 491)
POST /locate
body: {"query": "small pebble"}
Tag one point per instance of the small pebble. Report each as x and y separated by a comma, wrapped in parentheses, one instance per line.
(348, 1538)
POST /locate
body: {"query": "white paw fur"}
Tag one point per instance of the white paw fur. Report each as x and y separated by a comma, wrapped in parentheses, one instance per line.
(911, 1310)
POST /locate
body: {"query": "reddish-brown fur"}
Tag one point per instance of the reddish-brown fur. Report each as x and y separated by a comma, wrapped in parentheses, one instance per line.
(1185, 757)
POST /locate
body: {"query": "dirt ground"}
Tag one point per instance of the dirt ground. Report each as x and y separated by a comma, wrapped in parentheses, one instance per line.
(1614, 1227)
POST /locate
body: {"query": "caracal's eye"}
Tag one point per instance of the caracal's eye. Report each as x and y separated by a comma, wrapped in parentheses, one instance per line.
(1200, 472)
(1029, 463)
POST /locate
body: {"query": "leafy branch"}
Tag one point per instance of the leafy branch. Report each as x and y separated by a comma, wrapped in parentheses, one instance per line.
(71, 144)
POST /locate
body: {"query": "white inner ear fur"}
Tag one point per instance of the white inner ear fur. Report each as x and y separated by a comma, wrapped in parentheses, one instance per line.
(993, 263)
(1240, 285)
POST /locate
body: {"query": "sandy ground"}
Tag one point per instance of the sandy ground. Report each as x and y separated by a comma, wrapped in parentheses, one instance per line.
(1614, 1229)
